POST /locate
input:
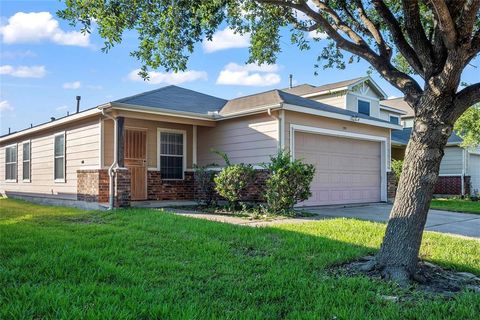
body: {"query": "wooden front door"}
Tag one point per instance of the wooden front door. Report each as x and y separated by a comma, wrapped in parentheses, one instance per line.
(135, 156)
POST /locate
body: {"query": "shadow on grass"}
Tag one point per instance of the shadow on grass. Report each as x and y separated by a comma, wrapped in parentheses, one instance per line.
(144, 263)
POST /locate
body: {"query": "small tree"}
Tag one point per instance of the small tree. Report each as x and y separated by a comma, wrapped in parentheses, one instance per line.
(288, 183)
(468, 127)
(232, 181)
(205, 186)
(397, 168)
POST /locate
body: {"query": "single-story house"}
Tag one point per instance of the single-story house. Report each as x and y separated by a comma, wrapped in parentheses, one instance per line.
(145, 147)
(460, 167)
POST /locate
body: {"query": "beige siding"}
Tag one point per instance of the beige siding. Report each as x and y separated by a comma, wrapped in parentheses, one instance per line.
(335, 99)
(151, 127)
(82, 142)
(333, 124)
(452, 162)
(352, 104)
(251, 139)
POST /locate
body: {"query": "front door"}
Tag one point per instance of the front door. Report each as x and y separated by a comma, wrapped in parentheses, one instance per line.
(135, 156)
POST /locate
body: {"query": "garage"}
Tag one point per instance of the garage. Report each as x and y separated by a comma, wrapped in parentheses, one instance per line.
(348, 170)
(474, 171)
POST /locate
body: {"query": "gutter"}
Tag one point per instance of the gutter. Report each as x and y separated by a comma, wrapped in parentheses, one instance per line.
(280, 120)
(114, 166)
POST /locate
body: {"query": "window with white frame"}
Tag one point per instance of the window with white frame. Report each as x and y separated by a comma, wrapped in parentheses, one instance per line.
(172, 154)
(26, 161)
(11, 163)
(59, 157)
(364, 107)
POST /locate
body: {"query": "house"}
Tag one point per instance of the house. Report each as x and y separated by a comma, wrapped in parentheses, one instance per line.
(145, 147)
(460, 167)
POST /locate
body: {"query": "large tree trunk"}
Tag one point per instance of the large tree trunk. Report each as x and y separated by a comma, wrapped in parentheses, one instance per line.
(398, 256)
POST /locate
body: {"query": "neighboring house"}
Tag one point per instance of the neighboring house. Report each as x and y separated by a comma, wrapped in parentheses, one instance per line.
(460, 167)
(152, 141)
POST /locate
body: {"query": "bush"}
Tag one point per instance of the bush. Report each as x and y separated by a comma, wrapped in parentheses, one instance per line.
(231, 181)
(397, 168)
(205, 186)
(288, 183)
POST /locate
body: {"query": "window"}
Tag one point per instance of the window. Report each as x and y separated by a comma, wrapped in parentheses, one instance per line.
(26, 161)
(11, 163)
(59, 158)
(394, 120)
(172, 154)
(364, 107)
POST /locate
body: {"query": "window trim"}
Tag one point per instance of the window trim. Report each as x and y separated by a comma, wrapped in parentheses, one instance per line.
(64, 157)
(369, 106)
(16, 163)
(390, 119)
(184, 162)
(29, 161)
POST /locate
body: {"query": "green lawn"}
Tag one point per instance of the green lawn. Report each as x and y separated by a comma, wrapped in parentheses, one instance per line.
(141, 264)
(457, 205)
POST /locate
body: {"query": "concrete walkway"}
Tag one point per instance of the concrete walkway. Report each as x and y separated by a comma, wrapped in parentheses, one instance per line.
(462, 224)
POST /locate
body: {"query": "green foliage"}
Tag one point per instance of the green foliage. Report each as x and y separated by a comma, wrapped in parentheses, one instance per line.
(288, 183)
(468, 127)
(232, 181)
(205, 186)
(222, 155)
(397, 166)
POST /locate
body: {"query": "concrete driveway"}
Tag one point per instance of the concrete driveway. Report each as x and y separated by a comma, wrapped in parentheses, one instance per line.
(464, 224)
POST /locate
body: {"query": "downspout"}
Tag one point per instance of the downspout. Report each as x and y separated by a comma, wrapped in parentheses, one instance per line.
(464, 164)
(114, 166)
(279, 119)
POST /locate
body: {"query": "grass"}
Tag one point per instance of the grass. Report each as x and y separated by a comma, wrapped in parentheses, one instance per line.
(140, 263)
(458, 205)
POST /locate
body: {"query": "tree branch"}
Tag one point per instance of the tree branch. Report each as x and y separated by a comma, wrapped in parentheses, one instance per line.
(445, 23)
(467, 97)
(402, 44)
(417, 36)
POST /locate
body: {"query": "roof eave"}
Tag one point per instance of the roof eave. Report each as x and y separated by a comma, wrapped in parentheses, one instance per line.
(154, 110)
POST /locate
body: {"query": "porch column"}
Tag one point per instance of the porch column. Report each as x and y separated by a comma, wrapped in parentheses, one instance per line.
(194, 146)
(121, 141)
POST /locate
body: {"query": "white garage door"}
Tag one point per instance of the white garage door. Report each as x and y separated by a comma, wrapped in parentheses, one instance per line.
(347, 170)
(474, 171)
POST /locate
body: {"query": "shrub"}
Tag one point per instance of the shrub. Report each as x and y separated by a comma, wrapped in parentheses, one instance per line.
(232, 181)
(205, 186)
(397, 168)
(288, 183)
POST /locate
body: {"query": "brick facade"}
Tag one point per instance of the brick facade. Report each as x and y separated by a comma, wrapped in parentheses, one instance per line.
(92, 185)
(391, 186)
(452, 185)
(158, 189)
(123, 186)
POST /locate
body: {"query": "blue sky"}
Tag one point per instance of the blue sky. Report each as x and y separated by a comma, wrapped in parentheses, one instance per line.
(45, 63)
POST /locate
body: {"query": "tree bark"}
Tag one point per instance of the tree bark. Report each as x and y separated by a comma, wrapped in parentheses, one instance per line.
(398, 255)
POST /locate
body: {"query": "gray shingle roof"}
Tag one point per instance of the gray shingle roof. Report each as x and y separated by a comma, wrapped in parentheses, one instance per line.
(176, 98)
(304, 89)
(399, 103)
(402, 136)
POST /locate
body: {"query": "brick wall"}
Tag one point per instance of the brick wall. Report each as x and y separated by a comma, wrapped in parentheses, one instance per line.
(452, 185)
(391, 185)
(92, 185)
(123, 186)
(158, 189)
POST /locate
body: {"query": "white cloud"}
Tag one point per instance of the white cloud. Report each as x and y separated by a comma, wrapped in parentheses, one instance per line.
(37, 27)
(72, 85)
(317, 35)
(61, 108)
(23, 71)
(5, 106)
(249, 75)
(169, 77)
(226, 39)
